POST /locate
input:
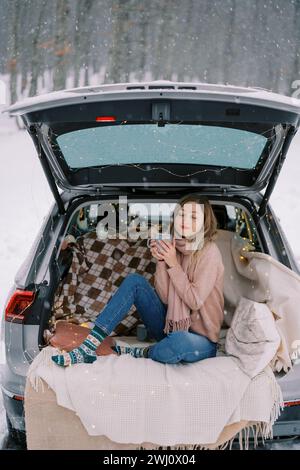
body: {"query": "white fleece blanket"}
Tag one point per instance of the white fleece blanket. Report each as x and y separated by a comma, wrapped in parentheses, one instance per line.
(141, 400)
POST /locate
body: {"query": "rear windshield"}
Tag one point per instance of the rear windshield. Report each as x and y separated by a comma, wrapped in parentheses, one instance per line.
(171, 143)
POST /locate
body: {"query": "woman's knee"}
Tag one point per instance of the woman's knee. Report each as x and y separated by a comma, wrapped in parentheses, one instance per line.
(135, 278)
(132, 280)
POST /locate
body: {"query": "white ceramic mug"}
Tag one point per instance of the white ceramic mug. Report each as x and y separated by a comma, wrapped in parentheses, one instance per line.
(159, 236)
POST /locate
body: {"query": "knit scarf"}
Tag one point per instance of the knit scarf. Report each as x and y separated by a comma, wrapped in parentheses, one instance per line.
(178, 313)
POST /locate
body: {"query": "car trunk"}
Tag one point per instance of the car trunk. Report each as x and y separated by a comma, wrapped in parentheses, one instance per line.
(159, 138)
(79, 299)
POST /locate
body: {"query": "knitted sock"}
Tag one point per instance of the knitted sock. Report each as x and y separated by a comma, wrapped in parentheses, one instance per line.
(86, 352)
(134, 351)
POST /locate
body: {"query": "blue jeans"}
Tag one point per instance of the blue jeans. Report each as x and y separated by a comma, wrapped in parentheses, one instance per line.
(185, 346)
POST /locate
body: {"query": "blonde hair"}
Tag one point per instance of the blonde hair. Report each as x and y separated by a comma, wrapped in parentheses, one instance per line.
(210, 225)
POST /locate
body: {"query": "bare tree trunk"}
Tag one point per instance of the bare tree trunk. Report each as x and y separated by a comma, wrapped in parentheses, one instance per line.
(13, 59)
(119, 57)
(62, 47)
(36, 56)
(76, 49)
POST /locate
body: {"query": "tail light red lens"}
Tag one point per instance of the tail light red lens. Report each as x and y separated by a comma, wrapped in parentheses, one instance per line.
(292, 403)
(17, 305)
(105, 118)
(18, 397)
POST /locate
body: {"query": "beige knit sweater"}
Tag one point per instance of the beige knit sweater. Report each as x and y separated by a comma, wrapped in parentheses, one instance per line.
(204, 296)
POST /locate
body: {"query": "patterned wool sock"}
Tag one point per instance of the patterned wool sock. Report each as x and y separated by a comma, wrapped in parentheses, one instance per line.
(135, 351)
(86, 352)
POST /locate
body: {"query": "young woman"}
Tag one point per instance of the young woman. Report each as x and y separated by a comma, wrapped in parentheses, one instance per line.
(185, 310)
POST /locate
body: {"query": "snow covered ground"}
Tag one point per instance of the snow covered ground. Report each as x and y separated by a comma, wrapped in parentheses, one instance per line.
(25, 198)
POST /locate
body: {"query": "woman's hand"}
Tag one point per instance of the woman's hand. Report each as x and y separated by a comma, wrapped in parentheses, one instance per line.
(167, 250)
(154, 252)
(64, 245)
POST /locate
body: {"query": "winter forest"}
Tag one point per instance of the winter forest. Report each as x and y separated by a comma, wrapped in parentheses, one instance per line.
(50, 45)
(61, 159)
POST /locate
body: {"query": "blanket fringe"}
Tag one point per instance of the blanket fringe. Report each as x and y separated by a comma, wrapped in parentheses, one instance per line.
(259, 429)
(43, 357)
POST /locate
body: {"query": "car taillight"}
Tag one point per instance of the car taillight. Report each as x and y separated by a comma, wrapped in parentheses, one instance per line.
(18, 303)
(18, 397)
(292, 403)
(105, 118)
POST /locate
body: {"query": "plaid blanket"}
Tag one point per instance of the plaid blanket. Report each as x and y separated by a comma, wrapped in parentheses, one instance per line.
(97, 270)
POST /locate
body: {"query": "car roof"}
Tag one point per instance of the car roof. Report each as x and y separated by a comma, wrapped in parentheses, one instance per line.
(156, 89)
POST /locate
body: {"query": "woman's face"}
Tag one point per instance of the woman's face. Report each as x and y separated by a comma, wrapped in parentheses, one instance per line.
(189, 219)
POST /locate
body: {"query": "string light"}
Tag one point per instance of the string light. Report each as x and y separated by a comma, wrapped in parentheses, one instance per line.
(148, 168)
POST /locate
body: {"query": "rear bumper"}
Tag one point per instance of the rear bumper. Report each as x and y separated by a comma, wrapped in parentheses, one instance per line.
(14, 409)
(288, 423)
